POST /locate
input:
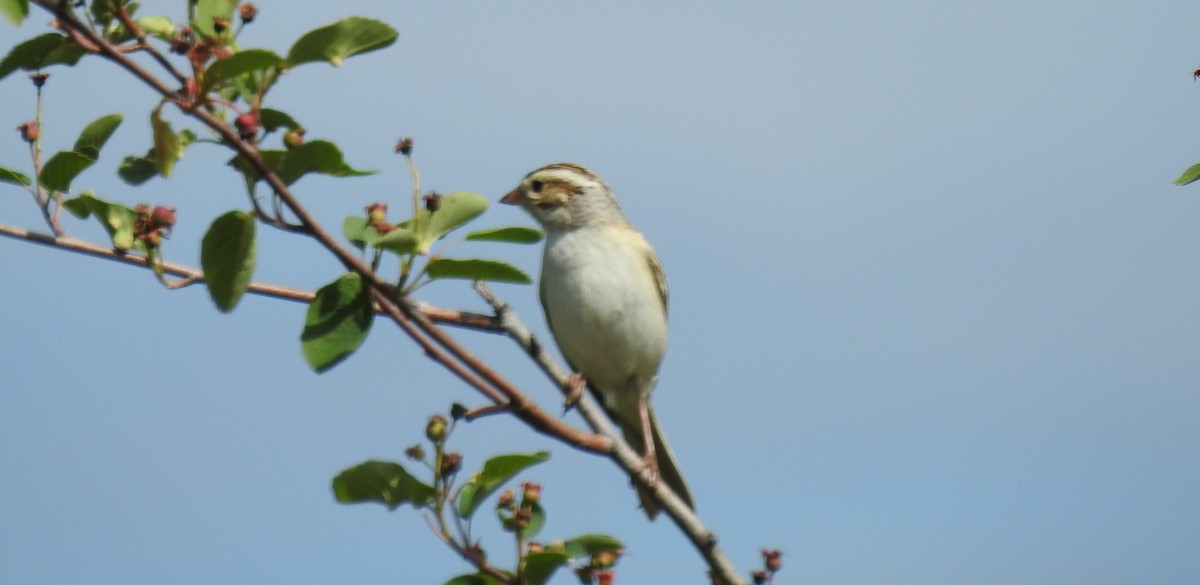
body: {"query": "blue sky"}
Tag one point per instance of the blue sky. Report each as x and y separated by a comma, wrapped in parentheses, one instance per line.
(933, 298)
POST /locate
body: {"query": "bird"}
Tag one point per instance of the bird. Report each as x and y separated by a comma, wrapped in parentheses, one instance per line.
(604, 295)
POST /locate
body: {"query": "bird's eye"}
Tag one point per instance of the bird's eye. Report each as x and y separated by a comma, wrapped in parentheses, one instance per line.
(536, 186)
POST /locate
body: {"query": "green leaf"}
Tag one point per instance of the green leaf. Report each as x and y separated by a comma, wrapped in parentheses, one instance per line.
(62, 168)
(318, 156)
(93, 137)
(240, 63)
(337, 322)
(476, 269)
(514, 235)
(14, 10)
(136, 170)
(11, 176)
(273, 120)
(455, 210)
(1189, 176)
(381, 481)
(355, 228)
(496, 471)
(41, 52)
(159, 27)
(206, 10)
(399, 240)
(117, 219)
(168, 146)
(540, 566)
(344, 38)
(537, 520)
(590, 544)
(227, 257)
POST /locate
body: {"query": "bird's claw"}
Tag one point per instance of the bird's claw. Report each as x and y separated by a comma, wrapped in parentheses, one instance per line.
(573, 390)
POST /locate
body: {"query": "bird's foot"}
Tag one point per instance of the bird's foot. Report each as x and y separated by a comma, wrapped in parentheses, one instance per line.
(574, 390)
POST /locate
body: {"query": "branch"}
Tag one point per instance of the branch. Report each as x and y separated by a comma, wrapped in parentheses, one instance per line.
(191, 275)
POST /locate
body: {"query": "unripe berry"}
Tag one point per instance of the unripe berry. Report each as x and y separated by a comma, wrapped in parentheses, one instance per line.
(163, 217)
(29, 131)
(247, 12)
(247, 125)
(436, 429)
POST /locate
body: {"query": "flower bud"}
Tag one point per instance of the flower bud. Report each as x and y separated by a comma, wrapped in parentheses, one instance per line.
(457, 411)
(759, 576)
(220, 24)
(39, 78)
(605, 577)
(416, 453)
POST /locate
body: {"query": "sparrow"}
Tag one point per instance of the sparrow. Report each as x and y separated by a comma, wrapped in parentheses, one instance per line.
(605, 298)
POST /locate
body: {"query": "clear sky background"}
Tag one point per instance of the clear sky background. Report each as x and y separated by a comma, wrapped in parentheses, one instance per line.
(934, 299)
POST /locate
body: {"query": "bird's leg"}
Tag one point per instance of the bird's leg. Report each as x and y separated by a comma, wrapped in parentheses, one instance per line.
(650, 458)
(574, 390)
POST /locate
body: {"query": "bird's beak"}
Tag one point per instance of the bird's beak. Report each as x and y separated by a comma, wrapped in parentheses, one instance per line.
(514, 197)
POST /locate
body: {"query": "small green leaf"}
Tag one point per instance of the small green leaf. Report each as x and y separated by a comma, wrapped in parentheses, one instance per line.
(318, 156)
(496, 471)
(1189, 176)
(540, 566)
(381, 481)
(207, 10)
(455, 210)
(399, 240)
(355, 227)
(14, 10)
(117, 219)
(168, 146)
(537, 520)
(227, 256)
(136, 170)
(590, 544)
(273, 120)
(476, 269)
(514, 235)
(240, 63)
(159, 27)
(93, 137)
(11, 176)
(337, 322)
(41, 52)
(344, 38)
(62, 168)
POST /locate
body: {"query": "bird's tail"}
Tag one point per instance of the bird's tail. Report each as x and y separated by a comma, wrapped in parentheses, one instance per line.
(668, 470)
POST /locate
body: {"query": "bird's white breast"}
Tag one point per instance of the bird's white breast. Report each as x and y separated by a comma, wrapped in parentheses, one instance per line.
(604, 306)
